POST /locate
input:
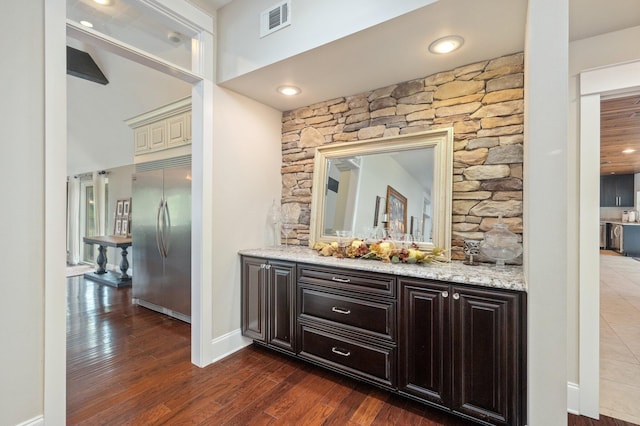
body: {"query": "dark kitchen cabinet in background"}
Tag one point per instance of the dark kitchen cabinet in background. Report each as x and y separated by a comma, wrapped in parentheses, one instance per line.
(617, 191)
(268, 302)
(462, 348)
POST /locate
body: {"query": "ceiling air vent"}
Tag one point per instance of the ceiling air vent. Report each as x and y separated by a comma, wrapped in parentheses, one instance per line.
(275, 18)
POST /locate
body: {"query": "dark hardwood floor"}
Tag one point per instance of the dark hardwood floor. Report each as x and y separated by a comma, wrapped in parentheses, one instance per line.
(128, 365)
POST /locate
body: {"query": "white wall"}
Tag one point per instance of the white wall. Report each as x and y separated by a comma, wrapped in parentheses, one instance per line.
(607, 49)
(376, 173)
(97, 136)
(247, 158)
(22, 233)
(314, 23)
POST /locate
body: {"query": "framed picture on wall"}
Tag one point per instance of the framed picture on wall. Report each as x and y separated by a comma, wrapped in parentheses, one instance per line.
(126, 207)
(396, 210)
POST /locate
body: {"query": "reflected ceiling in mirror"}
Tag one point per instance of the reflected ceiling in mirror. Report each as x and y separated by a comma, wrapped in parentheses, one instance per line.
(398, 188)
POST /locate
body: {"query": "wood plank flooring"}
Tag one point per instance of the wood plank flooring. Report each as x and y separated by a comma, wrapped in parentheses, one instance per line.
(127, 365)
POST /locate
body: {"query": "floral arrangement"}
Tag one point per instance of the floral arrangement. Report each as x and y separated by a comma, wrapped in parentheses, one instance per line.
(384, 250)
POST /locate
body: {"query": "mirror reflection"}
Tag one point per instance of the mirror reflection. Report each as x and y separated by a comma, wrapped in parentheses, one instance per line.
(397, 188)
(381, 194)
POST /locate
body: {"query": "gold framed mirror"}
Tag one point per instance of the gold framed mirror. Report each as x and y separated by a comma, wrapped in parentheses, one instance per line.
(396, 187)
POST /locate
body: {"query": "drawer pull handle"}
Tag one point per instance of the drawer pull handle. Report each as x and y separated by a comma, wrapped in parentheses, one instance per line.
(341, 311)
(339, 352)
(341, 280)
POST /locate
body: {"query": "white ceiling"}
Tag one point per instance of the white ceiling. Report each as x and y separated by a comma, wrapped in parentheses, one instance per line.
(396, 50)
(386, 54)
(97, 136)
(391, 52)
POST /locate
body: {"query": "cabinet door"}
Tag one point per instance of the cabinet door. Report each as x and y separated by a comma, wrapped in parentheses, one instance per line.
(254, 298)
(424, 342)
(617, 191)
(176, 130)
(487, 364)
(608, 197)
(141, 140)
(157, 135)
(188, 126)
(625, 190)
(282, 288)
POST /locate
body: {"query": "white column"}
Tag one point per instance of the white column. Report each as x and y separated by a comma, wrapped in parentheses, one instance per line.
(545, 214)
(55, 165)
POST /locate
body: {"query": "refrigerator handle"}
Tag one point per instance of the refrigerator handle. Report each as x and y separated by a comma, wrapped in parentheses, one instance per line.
(166, 231)
(159, 230)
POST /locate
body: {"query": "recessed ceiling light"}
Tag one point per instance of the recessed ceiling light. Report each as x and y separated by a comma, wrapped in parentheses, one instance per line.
(628, 151)
(446, 44)
(87, 24)
(289, 90)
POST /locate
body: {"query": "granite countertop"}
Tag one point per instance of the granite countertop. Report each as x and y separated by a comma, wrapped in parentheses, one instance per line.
(486, 275)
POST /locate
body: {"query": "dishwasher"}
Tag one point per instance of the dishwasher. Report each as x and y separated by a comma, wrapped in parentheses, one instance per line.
(615, 237)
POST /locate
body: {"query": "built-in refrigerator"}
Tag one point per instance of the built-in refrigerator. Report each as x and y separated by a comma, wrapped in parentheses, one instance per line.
(161, 235)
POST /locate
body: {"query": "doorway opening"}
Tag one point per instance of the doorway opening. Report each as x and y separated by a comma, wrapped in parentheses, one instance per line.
(201, 79)
(594, 85)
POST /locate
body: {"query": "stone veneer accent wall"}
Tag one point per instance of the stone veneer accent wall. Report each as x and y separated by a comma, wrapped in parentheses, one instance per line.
(484, 102)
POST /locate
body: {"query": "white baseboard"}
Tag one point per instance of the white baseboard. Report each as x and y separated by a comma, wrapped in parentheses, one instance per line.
(36, 421)
(227, 344)
(573, 398)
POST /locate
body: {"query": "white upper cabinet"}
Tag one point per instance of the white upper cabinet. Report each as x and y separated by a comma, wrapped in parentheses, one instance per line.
(163, 128)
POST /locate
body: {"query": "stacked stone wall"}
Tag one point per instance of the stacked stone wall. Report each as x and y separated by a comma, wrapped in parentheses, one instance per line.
(483, 102)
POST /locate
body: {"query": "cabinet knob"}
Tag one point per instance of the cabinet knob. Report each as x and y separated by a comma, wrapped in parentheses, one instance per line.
(445, 293)
(456, 296)
(267, 266)
(262, 266)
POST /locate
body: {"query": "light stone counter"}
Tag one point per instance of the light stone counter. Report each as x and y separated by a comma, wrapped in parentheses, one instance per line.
(619, 222)
(486, 275)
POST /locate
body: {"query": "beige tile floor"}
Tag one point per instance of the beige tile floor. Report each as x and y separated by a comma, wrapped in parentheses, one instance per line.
(620, 337)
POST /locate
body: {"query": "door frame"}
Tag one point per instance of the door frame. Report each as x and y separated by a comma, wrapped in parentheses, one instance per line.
(55, 151)
(594, 84)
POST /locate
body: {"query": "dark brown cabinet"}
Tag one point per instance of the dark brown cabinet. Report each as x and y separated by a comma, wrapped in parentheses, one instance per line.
(462, 348)
(424, 352)
(347, 322)
(617, 190)
(268, 302)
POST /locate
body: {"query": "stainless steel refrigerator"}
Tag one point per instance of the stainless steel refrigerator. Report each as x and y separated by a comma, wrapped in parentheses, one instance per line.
(161, 235)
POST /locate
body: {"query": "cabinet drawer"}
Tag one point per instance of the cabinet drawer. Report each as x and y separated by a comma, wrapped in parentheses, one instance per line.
(363, 315)
(370, 362)
(368, 283)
